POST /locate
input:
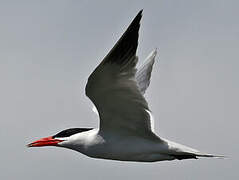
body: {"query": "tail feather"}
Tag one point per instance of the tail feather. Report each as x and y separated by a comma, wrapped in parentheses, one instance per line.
(187, 155)
(179, 151)
(211, 156)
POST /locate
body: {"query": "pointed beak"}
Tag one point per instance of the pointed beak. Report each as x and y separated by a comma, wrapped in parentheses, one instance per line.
(47, 141)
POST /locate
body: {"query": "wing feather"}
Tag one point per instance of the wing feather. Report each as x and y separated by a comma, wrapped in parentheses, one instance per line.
(113, 89)
(144, 73)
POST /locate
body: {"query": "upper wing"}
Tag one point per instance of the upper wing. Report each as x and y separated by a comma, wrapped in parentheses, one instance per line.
(144, 73)
(114, 91)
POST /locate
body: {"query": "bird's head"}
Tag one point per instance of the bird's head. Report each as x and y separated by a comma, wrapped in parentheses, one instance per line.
(57, 139)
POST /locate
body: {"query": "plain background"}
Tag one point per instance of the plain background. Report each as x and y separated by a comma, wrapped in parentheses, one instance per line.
(49, 48)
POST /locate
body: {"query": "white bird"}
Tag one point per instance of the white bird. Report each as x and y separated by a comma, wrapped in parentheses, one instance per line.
(126, 129)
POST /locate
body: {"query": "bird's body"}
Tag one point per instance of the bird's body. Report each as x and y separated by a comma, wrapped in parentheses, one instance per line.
(124, 147)
(126, 129)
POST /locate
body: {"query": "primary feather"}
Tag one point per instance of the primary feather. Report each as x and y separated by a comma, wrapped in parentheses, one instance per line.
(113, 89)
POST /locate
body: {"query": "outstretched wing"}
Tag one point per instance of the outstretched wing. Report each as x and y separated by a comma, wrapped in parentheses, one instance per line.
(113, 89)
(144, 73)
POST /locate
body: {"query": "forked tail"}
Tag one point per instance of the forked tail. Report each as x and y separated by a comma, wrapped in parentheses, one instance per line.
(179, 151)
(196, 156)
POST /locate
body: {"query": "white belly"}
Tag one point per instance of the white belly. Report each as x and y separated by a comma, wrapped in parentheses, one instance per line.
(126, 149)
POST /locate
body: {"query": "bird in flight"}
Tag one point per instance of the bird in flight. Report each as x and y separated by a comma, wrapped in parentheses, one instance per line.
(126, 131)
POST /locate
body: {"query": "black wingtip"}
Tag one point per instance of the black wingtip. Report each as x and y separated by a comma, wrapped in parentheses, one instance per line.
(135, 24)
(126, 46)
(141, 11)
(138, 17)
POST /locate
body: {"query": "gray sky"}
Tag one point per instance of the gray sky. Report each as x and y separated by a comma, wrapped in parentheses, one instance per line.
(48, 49)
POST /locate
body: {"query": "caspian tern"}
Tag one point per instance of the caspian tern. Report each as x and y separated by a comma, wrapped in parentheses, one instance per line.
(126, 131)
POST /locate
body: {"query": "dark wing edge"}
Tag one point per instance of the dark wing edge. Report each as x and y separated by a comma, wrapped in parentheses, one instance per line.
(126, 46)
(112, 85)
(123, 54)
